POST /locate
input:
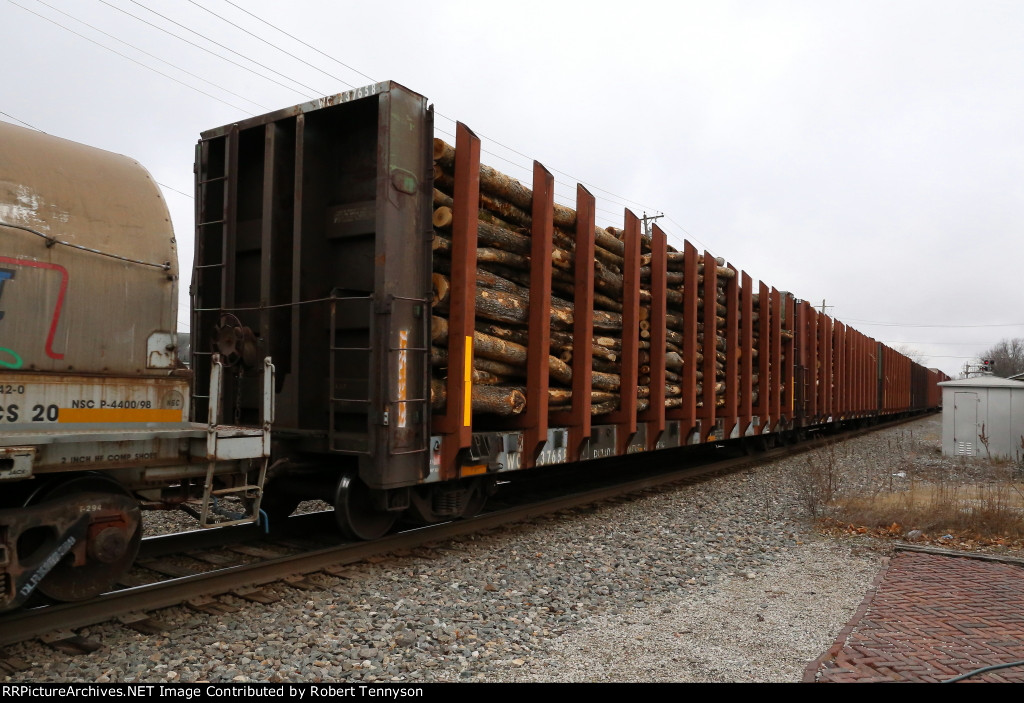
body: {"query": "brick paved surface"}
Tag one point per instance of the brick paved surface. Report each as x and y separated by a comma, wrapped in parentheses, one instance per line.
(930, 618)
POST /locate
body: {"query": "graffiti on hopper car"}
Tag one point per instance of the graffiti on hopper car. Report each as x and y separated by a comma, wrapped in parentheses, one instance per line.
(8, 357)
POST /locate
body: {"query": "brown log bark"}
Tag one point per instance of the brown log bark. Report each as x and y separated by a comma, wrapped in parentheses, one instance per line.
(442, 199)
(515, 193)
(441, 288)
(488, 347)
(494, 400)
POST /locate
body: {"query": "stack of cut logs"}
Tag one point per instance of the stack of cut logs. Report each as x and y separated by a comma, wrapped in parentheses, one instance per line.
(503, 297)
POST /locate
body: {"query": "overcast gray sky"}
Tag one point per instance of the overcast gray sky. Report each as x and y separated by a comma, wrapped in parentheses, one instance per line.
(869, 154)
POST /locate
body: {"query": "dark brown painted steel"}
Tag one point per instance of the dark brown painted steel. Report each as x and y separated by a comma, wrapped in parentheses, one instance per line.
(400, 332)
(535, 418)
(687, 412)
(455, 424)
(578, 418)
(655, 414)
(625, 417)
(710, 346)
(213, 275)
(267, 221)
(746, 390)
(288, 404)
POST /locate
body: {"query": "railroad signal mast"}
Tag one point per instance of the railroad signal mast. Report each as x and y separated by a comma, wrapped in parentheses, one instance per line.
(985, 368)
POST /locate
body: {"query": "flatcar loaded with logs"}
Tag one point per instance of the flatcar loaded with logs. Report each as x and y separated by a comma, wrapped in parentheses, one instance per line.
(436, 324)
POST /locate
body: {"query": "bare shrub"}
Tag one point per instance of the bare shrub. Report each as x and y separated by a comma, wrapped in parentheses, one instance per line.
(992, 506)
(818, 480)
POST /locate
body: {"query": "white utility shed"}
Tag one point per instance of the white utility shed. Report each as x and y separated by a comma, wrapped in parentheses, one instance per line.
(983, 408)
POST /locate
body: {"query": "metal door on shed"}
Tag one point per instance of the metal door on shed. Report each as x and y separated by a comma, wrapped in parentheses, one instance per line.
(965, 423)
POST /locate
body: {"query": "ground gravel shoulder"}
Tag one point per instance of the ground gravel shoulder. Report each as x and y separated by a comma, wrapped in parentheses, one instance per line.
(724, 580)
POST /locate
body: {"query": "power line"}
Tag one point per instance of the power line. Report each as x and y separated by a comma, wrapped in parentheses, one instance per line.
(203, 48)
(162, 185)
(612, 216)
(272, 45)
(310, 46)
(153, 56)
(180, 192)
(957, 344)
(687, 233)
(22, 122)
(908, 324)
(275, 46)
(226, 48)
(124, 56)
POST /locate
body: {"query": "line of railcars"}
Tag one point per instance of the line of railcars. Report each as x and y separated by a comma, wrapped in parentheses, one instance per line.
(315, 247)
(317, 363)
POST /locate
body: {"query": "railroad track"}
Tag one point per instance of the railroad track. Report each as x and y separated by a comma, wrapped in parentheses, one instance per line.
(290, 559)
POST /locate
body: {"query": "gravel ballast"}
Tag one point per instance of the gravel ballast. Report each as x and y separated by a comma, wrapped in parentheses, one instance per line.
(725, 580)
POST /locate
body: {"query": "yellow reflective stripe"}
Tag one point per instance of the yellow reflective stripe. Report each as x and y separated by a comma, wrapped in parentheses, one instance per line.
(118, 415)
(467, 411)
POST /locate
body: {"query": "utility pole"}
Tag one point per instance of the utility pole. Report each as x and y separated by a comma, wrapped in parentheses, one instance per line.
(649, 221)
(823, 306)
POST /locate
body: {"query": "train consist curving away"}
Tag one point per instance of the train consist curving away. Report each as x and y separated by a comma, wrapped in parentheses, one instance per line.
(378, 321)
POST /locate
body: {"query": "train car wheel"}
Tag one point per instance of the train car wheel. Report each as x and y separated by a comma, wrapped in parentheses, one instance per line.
(355, 512)
(112, 537)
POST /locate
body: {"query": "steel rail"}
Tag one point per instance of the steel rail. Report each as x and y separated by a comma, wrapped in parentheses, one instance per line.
(22, 625)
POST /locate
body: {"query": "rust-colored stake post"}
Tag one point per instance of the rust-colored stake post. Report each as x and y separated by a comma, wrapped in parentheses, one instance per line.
(812, 358)
(788, 379)
(746, 404)
(852, 359)
(732, 352)
(825, 402)
(861, 377)
(856, 377)
(775, 346)
(625, 416)
(538, 369)
(839, 379)
(707, 412)
(456, 423)
(762, 409)
(687, 412)
(578, 418)
(655, 413)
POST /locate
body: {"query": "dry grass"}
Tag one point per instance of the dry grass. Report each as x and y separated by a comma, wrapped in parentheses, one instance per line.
(995, 509)
(911, 490)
